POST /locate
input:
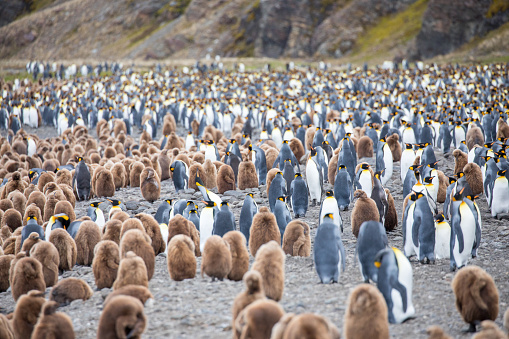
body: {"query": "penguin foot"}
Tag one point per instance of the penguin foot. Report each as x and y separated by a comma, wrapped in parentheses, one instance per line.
(471, 329)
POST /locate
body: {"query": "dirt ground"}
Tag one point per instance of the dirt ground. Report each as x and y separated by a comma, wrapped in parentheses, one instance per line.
(199, 308)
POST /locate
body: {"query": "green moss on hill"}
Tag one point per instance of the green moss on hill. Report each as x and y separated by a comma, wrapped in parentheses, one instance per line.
(496, 7)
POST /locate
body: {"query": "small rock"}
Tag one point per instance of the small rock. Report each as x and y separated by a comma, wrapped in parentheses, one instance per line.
(131, 205)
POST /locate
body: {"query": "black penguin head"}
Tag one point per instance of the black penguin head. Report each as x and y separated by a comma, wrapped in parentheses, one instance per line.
(439, 218)
(313, 152)
(279, 173)
(30, 217)
(78, 159)
(193, 211)
(198, 180)
(250, 194)
(364, 166)
(325, 143)
(501, 173)
(378, 174)
(32, 175)
(428, 180)
(297, 175)
(169, 201)
(56, 170)
(209, 203)
(329, 215)
(329, 193)
(233, 141)
(95, 204)
(341, 167)
(459, 175)
(383, 139)
(433, 165)
(452, 180)
(285, 141)
(224, 203)
(414, 196)
(115, 202)
(282, 198)
(459, 195)
(62, 218)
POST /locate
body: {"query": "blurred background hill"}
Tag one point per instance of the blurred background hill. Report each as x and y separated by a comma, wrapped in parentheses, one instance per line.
(349, 30)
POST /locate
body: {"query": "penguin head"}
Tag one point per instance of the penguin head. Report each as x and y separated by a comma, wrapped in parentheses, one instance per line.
(78, 159)
(282, 198)
(250, 147)
(364, 166)
(232, 141)
(378, 174)
(313, 152)
(414, 196)
(193, 211)
(433, 165)
(114, 202)
(198, 180)
(459, 195)
(501, 173)
(452, 180)
(96, 204)
(329, 193)
(459, 174)
(428, 180)
(279, 173)
(31, 217)
(250, 194)
(209, 203)
(329, 215)
(472, 197)
(297, 175)
(62, 218)
(224, 203)
(341, 167)
(32, 175)
(169, 201)
(382, 139)
(439, 218)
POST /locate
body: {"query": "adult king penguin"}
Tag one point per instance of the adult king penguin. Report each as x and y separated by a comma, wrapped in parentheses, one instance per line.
(314, 178)
(328, 251)
(330, 206)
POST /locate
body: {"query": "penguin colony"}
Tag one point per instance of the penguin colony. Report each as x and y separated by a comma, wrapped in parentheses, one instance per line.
(296, 139)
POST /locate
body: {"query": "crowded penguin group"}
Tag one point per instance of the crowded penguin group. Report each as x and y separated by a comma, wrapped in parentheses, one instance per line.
(237, 173)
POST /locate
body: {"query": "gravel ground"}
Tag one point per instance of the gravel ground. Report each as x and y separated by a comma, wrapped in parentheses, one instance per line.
(199, 308)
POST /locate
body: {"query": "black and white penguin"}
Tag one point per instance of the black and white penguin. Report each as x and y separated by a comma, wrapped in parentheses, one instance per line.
(247, 213)
(31, 226)
(407, 159)
(419, 229)
(500, 195)
(328, 251)
(163, 212)
(277, 189)
(56, 221)
(207, 218)
(442, 237)
(314, 178)
(285, 153)
(194, 217)
(365, 179)
(299, 196)
(380, 197)
(81, 180)
(96, 214)
(343, 188)
(260, 162)
(289, 175)
(384, 163)
(330, 206)
(115, 206)
(395, 281)
(372, 239)
(224, 220)
(283, 215)
(207, 194)
(180, 175)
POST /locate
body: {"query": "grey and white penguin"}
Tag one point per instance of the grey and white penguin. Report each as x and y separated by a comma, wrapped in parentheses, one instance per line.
(328, 251)
(343, 188)
(419, 229)
(180, 175)
(247, 213)
(299, 196)
(372, 239)
(224, 220)
(277, 189)
(81, 180)
(31, 226)
(163, 212)
(283, 215)
(330, 206)
(96, 214)
(379, 196)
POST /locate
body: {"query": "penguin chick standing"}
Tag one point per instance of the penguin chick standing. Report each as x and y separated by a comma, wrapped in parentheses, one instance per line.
(395, 281)
(299, 196)
(330, 206)
(314, 178)
(328, 251)
(283, 216)
(150, 185)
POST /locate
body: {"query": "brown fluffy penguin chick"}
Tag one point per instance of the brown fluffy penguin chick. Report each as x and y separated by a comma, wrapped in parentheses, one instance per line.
(105, 184)
(111, 231)
(270, 262)
(105, 263)
(180, 225)
(26, 313)
(263, 229)
(181, 259)
(473, 174)
(153, 231)
(391, 218)
(150, 185)
(32, 239)
(364, 210)
(460, 160)
(474, 137)
(297, 148)
(195, 170)
(119, 175)
(52, 324)
(6, 331)
(119, 215)
(44, 178)
(66, 247)
(139, 242)
(131, 224)
(247, 175)
(87, 237)
(32, 211)
(503, 129)
(122, 317)
(137, 291)
(5, 204)
(12, 218)
(395, 147)
(490, 330)
(257, 320)
(436, 332)
(64, 176)
(297, 240)
(66, 208)
(365, 148)
(216, 258)
(240, 255)
(254, 291)
(306, 325)
(366, 314)
(270, 156)
(5, 266)
(333, 169)
(14, 183)
(443, 183)
(134, 173)
(131, 271)
(18, 201)
(225, 179)
(210, 174)
(48, 256)
(70, 289)
(476, 295)
(27, 275)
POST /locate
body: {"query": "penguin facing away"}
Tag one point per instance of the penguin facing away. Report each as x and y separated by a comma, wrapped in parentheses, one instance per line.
(328, 251)
(247, 213)
(343, 188)
(372, 239)
(299, 196)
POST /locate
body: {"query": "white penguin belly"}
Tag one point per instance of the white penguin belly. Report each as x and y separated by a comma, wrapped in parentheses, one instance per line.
(409, 248)
(442, 241)
(313, 180)
(408, 136)
(500, 201)
(206, 226)
(471, 155)
(405, 277)
(330, 205)
(459, 135)
(467, 225)
(100, 220)
(407, 159)
(387, 174)
(366, 182)
(210, 154)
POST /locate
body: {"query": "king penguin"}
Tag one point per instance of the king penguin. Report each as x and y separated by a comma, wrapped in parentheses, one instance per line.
(299, 196)
(380, 197)
(328, 251)
(115, 205)
(96, 214)
(224, 220)
(395, 281)
(277, 189)
(365, 179)
(372, 239)
(60, 220)
(81, 180)
(314, 178)
(247, 213)
(419, 229)
(407, 159)
(207, 195)
(180, 175)
(283, 216)
(500, 195)
(163, 212)
(384, 161)
(442, 237)
(330, 206)
(207, 218)
(31, 226)
(343, 188)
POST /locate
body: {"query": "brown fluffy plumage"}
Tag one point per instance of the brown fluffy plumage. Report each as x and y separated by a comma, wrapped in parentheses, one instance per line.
(490, 330)
(436, 332)
(474, 137)
(111, 231)
(257, 319)
(503, 129)
(270, 156)
(134, 173)
(443, 183)
(6, 204)
(364, 210)
(139, 242)
(460, 160)
(332, 169)
(394, 146)
(122, 317)
(210, 174)
(247, 176)
(66, 208)
(136, 291)
(5, 266)
(180, 225)
(239, 253)
(6, 331)
(119, 175)
(70, 289)
(181, 260)
(18, 201)
(297, 239)
(12, 218)
(87, 237)
(270, 262)
(104, 184)
(131, 224)
(64, 176)
(26, 313)
(365, 147)
(366, 314)
(225, 179)
(66, 247)
(306, 325)
(473, 174)
(27, 275)
(263, 229)
(150, 185)
(195, 170)
(105, 263)
(297, 148)
(391, 217)
(153, 231)
(48, 256)
(34, 212)
(476, 295)
(131, 271)
(216, 258)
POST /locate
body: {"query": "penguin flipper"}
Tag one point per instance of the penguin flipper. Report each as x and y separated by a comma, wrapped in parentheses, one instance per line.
(276, 161)
(402, 291)
(456, 221)
(340, 246)
(415, 229)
